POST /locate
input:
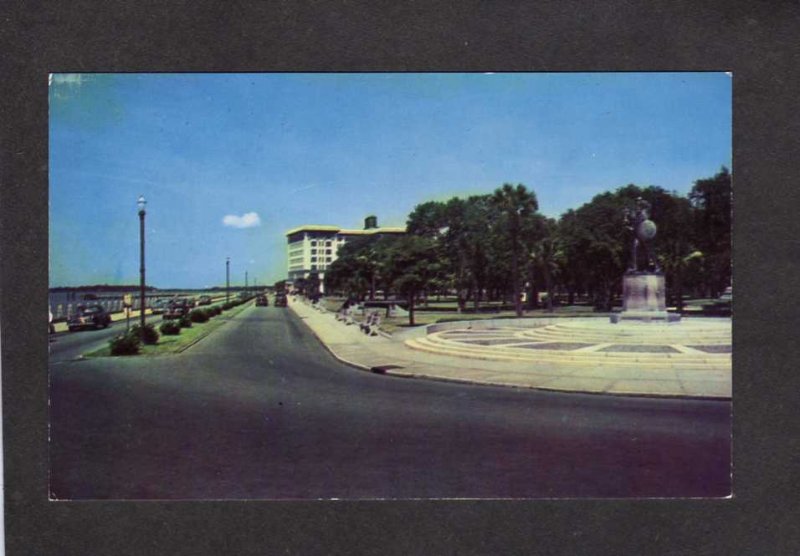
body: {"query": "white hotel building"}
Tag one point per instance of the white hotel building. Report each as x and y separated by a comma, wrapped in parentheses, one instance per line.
(313, 248)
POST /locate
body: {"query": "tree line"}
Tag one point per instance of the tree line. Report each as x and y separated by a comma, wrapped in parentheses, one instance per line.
(497, 246)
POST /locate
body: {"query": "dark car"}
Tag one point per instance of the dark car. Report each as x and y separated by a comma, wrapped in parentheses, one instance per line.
(176, 309)
(89, 316)
(280, 300)
(204, 300)
(262, 301)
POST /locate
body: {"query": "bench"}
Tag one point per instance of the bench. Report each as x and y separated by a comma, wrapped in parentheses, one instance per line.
(345, 314)
(371, 323)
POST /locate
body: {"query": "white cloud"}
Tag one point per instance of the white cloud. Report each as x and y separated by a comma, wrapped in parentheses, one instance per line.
(249, 220)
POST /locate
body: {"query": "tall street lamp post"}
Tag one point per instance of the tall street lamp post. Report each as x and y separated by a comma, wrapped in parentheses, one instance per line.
(227, 279)
(141, 202)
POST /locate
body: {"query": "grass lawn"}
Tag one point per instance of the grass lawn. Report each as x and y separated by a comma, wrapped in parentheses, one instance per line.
(174, 344)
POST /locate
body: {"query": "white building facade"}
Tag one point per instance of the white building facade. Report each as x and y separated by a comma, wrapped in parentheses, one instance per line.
(313, 248)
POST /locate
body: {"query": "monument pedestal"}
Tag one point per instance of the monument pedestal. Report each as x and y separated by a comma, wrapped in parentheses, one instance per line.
(644, 299)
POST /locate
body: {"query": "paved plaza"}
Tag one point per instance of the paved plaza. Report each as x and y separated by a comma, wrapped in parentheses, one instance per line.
(687, 359)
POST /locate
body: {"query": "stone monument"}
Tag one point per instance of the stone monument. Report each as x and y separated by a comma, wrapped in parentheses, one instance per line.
(643, 284)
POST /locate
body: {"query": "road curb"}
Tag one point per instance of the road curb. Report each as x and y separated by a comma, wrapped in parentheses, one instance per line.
(556, 390)
(328, 348)
(199, 337)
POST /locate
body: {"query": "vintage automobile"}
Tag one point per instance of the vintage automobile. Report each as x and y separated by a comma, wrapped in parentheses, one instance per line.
(280, 299)
(262, 301)
(88, 316)
(158, 306)
(177, 309)
(204, 300)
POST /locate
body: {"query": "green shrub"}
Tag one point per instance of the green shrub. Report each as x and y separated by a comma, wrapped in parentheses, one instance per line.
(185, 322)
(199, 315)
(150, 334)
(228, 305)
(215, 310)
(170, 328)
(125, 344)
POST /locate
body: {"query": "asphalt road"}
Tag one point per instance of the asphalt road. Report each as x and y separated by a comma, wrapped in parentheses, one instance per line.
(259, 409)
(66, 346)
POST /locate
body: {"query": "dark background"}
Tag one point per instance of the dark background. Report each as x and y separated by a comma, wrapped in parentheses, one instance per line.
(757, 41)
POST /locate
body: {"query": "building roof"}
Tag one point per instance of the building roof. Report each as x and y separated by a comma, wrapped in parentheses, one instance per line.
(337, 229)
(387, 230)
(313, 228)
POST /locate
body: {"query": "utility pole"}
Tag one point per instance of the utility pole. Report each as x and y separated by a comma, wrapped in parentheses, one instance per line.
(227, 279)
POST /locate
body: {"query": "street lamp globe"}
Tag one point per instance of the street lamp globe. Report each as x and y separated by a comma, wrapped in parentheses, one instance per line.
(141, 202)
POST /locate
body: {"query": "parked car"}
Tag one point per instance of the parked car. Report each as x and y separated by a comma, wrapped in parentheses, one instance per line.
(176, 309)
(280, 300)
(158, 307)
(89, 316)
(262, 301)
(204, 300)
(191, 302)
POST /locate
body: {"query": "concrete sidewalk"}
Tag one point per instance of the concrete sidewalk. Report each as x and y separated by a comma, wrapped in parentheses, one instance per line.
(391, 356)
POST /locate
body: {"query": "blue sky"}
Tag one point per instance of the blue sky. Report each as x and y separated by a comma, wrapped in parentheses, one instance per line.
(229, 162)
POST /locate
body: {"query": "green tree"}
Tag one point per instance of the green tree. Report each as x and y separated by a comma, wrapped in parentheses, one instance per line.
(711, 198)
(595, 243)
(427, 219)
(674, 246)
(312, 285)
(517, 207)
(546, 254)
(354, 272)
(411, 265)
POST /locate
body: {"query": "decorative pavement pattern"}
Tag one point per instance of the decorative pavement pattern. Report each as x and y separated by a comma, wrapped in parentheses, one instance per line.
(692, 357)
(560, 354)
(697, 343)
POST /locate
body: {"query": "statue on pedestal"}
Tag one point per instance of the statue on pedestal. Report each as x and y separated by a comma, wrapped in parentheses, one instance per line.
(643, 286)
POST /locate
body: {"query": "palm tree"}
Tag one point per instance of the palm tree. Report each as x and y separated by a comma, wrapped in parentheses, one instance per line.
(547, 255)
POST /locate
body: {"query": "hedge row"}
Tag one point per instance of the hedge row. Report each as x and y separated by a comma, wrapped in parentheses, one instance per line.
(130, 342)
